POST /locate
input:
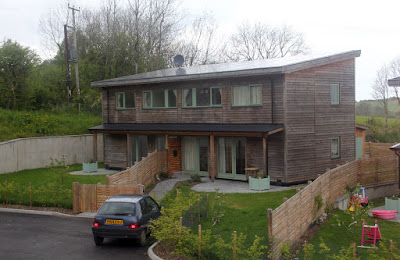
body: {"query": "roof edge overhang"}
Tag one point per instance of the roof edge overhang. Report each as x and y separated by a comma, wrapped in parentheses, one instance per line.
(277, 70)
(395, 82)
(395, 147)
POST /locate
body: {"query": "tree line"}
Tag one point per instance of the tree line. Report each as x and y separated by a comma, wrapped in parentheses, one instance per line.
(124, 38)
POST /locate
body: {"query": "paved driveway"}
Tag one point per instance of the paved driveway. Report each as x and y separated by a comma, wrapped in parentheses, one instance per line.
(24, 236)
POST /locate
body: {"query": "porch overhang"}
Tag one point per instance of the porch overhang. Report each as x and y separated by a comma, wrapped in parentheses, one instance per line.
(260, 130)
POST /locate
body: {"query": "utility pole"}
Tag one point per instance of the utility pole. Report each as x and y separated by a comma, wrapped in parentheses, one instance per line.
(67, 63)
(76, 55)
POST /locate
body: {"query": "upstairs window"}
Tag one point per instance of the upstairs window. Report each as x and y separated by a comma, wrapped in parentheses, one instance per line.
(161, 98)
(202, 97)
(247, 95)
(335, 94)
(125, 100)
(335, 148)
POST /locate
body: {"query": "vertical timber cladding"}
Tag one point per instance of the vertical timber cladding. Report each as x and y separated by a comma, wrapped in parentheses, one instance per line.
(174, 154)
(115, 150)
(311, 120)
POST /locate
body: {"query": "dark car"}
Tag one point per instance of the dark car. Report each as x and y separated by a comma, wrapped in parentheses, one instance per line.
(125, 216)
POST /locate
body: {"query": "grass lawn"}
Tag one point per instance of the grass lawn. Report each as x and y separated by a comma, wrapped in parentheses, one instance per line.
(43, 181)
(245, 213)
(337, 237)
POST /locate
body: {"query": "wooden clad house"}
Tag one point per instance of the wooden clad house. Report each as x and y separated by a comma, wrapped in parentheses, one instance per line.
(291, 117)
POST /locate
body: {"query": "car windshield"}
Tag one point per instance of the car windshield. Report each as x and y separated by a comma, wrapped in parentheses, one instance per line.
(118, 208)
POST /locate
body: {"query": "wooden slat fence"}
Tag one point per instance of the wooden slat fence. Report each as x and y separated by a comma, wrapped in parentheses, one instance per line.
(142, 172)
(378, 170)
(90, 197)
(378, 149)
(290, 221)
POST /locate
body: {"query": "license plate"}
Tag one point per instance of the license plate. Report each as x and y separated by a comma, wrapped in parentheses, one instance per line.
(114, 221)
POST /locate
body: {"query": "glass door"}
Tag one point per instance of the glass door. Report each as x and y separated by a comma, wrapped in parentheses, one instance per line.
(195, 155)
(232, 158)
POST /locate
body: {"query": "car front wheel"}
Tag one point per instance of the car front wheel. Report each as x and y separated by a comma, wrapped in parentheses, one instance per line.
(98, 240)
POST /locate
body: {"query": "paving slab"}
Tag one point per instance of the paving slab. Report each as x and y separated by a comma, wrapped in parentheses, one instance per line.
(100, 171)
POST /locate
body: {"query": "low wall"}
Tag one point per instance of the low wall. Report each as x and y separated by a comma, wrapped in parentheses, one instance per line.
(31, 153)
(382, 190)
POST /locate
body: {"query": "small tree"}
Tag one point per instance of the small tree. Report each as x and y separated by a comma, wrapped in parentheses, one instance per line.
(59, 166)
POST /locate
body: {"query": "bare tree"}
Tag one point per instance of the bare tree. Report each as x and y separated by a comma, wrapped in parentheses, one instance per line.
(199, 44)
(381, 90)
(260, 41)
(394, 71)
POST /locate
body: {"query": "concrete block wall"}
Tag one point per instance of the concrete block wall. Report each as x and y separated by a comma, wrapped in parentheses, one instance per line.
(31, 153)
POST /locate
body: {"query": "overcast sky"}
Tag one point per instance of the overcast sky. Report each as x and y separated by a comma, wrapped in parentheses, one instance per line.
(328, 26)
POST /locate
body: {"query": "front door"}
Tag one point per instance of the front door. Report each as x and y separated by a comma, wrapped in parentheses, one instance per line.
(232, 158)
(195, 155)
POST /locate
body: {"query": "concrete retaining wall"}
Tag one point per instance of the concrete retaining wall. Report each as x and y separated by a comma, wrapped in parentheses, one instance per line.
(35, 152)
(382, 190)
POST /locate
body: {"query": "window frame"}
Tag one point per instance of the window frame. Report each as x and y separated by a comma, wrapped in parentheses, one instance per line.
(166, 100)
(338, 147)
(337, 85)
(194, 97)
(124, 100)
(250, 102)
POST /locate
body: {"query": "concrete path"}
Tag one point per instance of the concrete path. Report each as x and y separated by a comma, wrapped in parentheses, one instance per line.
(164, 187)
(100, 171)
(230, 186)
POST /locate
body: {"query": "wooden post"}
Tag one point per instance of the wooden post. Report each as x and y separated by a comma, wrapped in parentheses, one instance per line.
(95, 146)
(265, 153)
(269, 216)
(30, 194)
(212, 157)
(128, 150)
(354, 251)
(234, 245)
(107, 180)
(177, 193)
(75, 197)
(207, 207)
(54, 195)
(199, 241)
(191, 216)
(391, 249)
(167, 148)
(6, 187)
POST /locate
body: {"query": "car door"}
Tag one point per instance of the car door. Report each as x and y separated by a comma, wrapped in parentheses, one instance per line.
(154, 207)
(146, 213)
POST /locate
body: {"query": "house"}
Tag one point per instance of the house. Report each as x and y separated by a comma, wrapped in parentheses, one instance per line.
(291, 118)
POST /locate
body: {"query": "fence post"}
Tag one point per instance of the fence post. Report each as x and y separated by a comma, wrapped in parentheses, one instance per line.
(269, 216)
(107, 180)
(234, 245)
(75, 197)
(354, 251)
(191, 216)
(391, 249)
(30, 194)
(199, 241)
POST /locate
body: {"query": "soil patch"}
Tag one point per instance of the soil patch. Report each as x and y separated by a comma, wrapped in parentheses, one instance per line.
(164, 251)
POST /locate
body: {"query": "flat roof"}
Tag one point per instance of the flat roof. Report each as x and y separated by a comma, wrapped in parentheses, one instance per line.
(230, 70)
(394, 82)
(197, 127)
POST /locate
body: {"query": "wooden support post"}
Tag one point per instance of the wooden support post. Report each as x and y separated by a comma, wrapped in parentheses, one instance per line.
(128, 150)
(269, 216)
(199, 242)
(234, 245)
(30, 194)
(107, 180)
(212, 158)
(167, 148)
(265, 156)
(191, 216)
(391, 249)
(75, 197)
(95, 146)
